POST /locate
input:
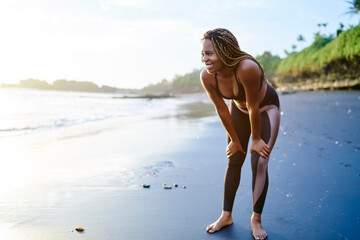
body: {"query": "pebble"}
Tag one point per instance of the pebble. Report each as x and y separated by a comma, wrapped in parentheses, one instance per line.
(164, 186)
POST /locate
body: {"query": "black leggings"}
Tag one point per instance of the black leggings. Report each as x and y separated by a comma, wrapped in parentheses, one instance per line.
(270, 121)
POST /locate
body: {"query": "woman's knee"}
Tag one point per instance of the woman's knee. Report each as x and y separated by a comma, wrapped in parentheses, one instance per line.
(258, 163)
(262, 164)
(237, 160)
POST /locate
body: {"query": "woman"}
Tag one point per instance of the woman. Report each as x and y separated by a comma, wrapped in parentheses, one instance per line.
(254, 109)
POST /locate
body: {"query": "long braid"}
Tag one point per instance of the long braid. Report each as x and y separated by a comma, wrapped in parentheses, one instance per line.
(227, 48)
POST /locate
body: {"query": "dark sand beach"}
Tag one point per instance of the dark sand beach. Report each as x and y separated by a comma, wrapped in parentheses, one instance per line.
(92, 176)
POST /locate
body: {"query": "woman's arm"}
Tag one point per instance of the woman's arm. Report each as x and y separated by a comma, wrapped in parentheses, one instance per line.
(250, 78)
(222, 111)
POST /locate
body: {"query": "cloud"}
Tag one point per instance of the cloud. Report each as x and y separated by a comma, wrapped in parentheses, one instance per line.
(107, 4)
(246, 3)
(252, 3)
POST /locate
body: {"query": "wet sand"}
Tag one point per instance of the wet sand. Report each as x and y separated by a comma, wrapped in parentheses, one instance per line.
(92, 177)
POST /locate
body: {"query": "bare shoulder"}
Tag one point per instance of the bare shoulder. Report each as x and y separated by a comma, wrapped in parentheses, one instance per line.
(208, 82)
(207, 79)
(248, 70)
(247, 66)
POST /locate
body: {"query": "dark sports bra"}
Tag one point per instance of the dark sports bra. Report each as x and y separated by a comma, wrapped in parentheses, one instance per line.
(241, 91)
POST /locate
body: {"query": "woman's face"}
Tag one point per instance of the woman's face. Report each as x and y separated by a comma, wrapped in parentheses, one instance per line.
(209, 57)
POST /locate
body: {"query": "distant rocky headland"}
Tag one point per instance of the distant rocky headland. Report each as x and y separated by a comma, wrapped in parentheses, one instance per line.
(63, 85)
(75, 86)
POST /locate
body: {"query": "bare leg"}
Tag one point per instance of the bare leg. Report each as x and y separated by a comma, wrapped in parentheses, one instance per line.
(270, 121)
(224, 220)
(233, 171)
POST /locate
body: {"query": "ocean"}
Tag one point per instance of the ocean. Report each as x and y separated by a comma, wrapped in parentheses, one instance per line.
(25, 111)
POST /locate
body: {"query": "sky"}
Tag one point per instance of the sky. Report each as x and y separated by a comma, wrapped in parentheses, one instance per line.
(134, 43)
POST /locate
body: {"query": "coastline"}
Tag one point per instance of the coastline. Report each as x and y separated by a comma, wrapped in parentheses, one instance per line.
(318, 85)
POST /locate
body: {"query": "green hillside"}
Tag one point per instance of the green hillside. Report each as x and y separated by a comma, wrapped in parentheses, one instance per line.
(187, 83)
(323, 51)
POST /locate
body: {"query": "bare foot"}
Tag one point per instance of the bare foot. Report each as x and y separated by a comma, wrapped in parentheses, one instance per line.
(224, 220)
(256, 227)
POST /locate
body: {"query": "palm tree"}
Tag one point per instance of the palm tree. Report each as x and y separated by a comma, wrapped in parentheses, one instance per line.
(324, 25)
(355, 7)
(339, 30)
(301, 39)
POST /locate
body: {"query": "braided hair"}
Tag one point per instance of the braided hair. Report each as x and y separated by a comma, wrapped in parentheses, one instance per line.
(227, 48)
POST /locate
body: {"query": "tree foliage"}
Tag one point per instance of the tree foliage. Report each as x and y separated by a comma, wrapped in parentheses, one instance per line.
(187, 83)
(354, 8)
(269, 63)
(322, 51)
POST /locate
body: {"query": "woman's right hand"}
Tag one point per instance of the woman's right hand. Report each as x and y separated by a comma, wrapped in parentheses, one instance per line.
(260, 147)
(232, 148)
